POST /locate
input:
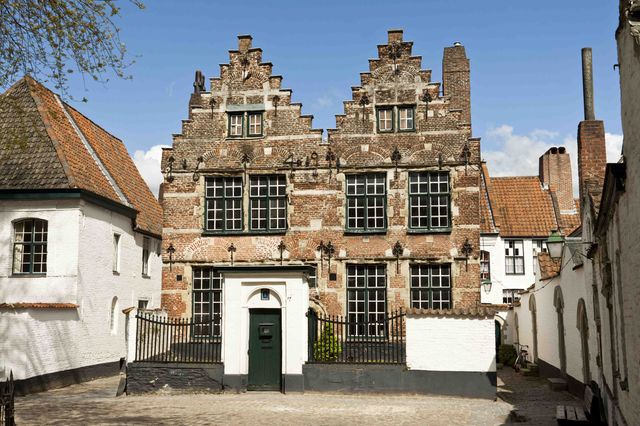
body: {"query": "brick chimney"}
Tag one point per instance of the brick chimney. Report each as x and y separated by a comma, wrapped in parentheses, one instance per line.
(592, 153)
(555, 174)
(456, 79)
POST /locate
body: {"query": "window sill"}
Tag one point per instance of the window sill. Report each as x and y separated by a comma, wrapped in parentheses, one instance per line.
(146, 277)
(365, 231)
(244, 138)
(19, 275)
(428, 231)
(406, 131)
(516, 274)
(116, 273)
(243, 233)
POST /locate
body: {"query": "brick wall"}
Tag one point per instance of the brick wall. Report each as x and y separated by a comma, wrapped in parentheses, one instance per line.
(315, 173)
(592, 156)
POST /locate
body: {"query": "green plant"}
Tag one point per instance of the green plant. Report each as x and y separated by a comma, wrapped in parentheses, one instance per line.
(328, 347)
(507, 354)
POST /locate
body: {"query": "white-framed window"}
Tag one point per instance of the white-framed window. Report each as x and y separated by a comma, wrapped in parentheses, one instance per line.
(431, 286)
(268, 199)
(366, 300)
(30, 246)
(236, 125)
(485, 265)
(429, 199)
(366, 202)
(509, 297)
(514, 257)
(207, 302)
(385, 120)
(116, 253)
(223, 204)
(406, 118)
(255, 124)
(146, 252)
(143, 303)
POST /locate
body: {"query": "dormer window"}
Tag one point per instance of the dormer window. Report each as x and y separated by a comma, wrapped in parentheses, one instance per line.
(238, 128)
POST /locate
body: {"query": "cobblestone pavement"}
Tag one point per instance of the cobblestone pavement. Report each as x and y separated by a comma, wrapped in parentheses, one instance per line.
(94, 403)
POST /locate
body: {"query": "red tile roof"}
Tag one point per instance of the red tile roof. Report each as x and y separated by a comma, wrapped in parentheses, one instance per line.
(549, 268)
(51, 145)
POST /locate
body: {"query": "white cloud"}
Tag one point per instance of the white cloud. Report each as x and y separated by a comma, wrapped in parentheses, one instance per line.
(148, 163)
(517, 155)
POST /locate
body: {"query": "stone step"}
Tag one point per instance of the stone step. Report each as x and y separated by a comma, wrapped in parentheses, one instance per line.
(533, 367)
(557, 384)
(529, 372)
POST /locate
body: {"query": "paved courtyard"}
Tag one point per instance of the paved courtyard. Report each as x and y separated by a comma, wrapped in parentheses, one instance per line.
(94, 403)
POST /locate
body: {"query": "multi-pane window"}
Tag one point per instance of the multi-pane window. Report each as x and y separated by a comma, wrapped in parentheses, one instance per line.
(236, 122)
(268, 199)
(366, 300)
(245, 124)
(429, 200)
(366, 202)
(255, 124)
(207, 302)
(431, 286)
(143, 303)
(538, 247)
(509, 297)
(116, 253)
(406, 119)
(514, 257)
(385, 120)
(30, 246)
(485, 265)
(146, 244)
(223, 203)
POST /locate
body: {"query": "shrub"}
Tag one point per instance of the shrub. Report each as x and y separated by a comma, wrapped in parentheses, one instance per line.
(328, 347)
(507, 354)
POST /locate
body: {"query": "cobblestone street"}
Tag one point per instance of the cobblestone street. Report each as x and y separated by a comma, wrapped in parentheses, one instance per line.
(94, 403)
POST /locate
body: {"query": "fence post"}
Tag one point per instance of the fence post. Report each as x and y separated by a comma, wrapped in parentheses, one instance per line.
(130, 327)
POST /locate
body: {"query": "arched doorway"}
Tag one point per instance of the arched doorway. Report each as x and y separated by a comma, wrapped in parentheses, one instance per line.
(558, 302)
(534, 327)
(583, 328)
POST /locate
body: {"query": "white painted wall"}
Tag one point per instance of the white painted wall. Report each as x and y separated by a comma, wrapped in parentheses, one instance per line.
(79, 271)
(289, 292)
(495, 245)
(450, 343)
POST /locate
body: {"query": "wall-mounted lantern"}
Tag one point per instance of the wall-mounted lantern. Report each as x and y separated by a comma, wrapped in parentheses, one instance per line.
(486, 285)
(555, 244)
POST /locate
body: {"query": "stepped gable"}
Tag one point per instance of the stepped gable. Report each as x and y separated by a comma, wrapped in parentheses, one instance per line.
(49, 145)
(396, 77)
(245, 83)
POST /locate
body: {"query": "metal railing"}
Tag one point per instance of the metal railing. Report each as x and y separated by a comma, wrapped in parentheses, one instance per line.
(178, 340)
(334, 339)
(7, 396)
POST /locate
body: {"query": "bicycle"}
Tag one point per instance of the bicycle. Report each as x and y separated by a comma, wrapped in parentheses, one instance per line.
(521, 359)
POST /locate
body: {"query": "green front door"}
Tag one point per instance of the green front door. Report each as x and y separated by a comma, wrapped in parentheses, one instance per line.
(265, 349)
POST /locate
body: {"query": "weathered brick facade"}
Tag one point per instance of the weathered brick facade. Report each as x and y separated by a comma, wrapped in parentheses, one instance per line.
(316, 171)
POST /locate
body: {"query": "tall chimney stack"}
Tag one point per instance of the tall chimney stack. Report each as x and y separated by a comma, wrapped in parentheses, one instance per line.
(587, 84)
(592, 154)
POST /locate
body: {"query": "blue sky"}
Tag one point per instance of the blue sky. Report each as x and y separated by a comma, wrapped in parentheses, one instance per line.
(525, 64)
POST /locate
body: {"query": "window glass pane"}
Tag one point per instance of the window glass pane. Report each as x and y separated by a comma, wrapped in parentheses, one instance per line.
(429, 200)
(223, 204)
(385, 120)
(406, 118)
(366, 201)
(235, 125)
(255, 124)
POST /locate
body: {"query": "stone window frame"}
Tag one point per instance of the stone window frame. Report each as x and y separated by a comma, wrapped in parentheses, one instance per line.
(37, 239)
(396, 118)
(362, 294)
(422, 290)
(385, 108)
(365, 197)
(223, 199)
(207, 288)
(411, 108)
(429, 195)
(268, 198)
(511, 259)
(245, 124)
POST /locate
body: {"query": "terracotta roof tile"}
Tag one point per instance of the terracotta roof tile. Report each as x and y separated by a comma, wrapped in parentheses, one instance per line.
(523, 208)
(54, 154)
(549, 268)
(478, 312)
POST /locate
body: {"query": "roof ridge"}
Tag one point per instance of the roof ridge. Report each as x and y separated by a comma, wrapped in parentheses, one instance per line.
(29, 81)
(93, 153)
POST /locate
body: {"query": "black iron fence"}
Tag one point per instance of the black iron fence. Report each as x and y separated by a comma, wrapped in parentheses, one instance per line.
(7, 396)
(334, 339)
(178, 340)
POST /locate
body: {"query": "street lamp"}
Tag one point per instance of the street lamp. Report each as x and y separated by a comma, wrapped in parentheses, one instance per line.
(555, 244)
(486, 284)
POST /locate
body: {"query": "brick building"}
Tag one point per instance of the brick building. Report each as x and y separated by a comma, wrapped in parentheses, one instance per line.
(382, 214)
